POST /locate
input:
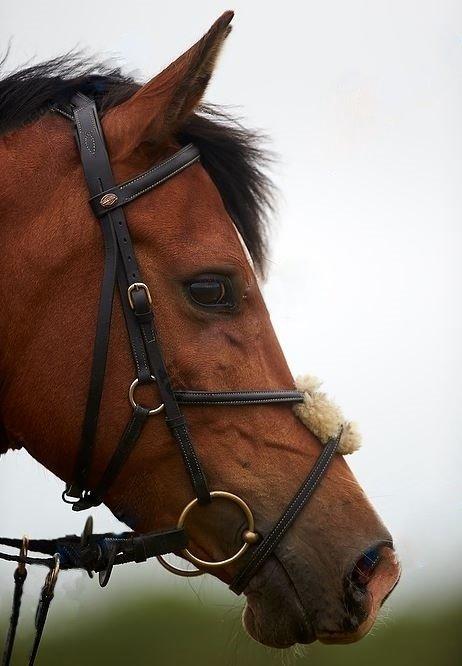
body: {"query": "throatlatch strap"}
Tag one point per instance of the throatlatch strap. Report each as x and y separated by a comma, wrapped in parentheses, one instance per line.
(269, 543)
(125, 446)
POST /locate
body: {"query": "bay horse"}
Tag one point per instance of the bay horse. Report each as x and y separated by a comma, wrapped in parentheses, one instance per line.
(200, 239)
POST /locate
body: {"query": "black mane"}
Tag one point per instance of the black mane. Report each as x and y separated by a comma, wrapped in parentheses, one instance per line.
(231, 154)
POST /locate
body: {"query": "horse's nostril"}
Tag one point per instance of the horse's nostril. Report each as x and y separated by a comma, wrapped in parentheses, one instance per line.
(369, 582)
(364, 568)
(363, 586)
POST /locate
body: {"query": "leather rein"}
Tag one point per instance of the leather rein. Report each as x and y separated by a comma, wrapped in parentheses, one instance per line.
(101, 552)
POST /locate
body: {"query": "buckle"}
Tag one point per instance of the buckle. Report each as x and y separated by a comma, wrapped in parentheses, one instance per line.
(136, 286)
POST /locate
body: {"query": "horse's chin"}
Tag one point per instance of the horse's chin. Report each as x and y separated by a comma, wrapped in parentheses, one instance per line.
(273, 614)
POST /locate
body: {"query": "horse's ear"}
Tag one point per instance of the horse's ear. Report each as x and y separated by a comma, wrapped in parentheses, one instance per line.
(160, 107)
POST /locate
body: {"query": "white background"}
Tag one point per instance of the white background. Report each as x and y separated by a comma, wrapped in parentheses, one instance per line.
(363, 103)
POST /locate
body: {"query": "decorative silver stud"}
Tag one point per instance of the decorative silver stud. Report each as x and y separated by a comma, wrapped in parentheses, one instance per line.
(109, 200)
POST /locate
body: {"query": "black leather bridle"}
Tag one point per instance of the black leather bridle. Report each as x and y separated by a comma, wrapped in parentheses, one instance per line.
(100, 552)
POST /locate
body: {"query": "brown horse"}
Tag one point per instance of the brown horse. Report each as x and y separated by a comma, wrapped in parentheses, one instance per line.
(318, 584)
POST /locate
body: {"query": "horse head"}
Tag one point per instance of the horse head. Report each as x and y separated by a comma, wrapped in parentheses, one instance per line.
(200, 242)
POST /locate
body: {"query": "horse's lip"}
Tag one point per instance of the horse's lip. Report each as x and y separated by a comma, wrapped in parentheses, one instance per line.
(300, 629)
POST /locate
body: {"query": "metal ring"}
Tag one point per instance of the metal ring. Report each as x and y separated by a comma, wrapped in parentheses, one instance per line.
(249, 535)
(186, 573)
(131, 397)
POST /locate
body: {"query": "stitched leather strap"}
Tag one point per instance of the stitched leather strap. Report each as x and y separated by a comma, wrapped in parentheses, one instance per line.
(238, 398)
(125, 446)
(272, 539)
(120, 195)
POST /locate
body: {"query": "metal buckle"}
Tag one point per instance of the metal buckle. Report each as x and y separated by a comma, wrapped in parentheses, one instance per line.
(134, 404)
(249, 537)
(138, 285)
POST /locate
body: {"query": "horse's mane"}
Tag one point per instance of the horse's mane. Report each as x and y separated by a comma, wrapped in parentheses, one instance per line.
(232, 154)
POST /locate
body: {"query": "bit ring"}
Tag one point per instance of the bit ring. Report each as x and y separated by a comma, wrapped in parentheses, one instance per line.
(249, 536)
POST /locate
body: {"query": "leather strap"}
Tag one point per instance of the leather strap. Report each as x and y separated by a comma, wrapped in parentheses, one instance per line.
(266, 547)
(20, 576)
(120, 195)
(119, 457)
(98, 366)
(174, 417)
(98, 176)
(238, 398)
(41, 614)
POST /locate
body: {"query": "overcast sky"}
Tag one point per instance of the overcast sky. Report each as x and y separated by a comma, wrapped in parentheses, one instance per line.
(363, 103)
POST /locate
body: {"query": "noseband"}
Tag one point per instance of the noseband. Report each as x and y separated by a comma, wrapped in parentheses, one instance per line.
(100, 552)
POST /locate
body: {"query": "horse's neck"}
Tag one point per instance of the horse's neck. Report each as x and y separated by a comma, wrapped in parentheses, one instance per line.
(18, 161)
(32, 163)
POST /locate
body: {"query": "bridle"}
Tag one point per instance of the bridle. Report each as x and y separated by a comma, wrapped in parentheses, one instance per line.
(100, 552)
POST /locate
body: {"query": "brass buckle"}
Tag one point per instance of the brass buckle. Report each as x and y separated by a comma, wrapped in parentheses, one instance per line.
(136, 286)
(249, 537)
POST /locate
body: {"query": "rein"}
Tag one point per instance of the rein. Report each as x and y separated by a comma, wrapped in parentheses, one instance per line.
(101, 552)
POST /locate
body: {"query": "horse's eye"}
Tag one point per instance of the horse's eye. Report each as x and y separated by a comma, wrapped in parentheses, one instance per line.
(211, 291)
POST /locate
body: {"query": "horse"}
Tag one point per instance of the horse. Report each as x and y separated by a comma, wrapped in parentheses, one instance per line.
(201, 242)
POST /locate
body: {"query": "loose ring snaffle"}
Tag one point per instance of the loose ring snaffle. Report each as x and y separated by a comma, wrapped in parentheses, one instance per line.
(249, 537)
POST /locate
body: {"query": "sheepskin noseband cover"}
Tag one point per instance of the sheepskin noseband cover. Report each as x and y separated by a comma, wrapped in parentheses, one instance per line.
(323, 417)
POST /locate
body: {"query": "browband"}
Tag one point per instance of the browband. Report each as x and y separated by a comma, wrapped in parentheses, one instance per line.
(119, 195)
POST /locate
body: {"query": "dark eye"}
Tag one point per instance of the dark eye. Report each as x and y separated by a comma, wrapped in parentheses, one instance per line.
(211, 291)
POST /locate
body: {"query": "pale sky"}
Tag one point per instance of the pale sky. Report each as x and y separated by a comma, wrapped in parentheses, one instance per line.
(363, 104)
